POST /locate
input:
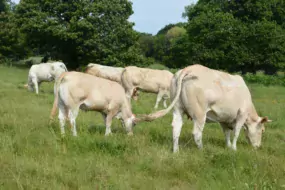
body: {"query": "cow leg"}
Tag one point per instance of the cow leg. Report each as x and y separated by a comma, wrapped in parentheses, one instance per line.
(199, 123)
(177, 122)
(164, 103)
(158, 99)
(104, 117)
(135, 94)
(35, 84)
(129, 94)
(165, 97)
(227, 132)
(108, 123)
(72, 119)
(237, 127)
(62, 113)
(30, 84)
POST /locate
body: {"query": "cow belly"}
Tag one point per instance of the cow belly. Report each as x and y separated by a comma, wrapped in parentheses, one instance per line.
(88, 106)
(211, 117)
(220, 115)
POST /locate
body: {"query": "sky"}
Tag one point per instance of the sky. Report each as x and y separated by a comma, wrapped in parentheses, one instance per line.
(152, 15)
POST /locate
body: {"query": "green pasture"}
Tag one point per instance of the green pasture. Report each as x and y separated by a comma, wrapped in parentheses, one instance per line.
(33, 156)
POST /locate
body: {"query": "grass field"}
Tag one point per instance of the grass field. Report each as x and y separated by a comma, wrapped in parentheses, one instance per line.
(32, 156)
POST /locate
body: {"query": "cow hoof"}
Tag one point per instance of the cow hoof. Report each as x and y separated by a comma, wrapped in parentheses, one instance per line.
(175, 151)
(108, 134)
(234, 148)
(130, 134)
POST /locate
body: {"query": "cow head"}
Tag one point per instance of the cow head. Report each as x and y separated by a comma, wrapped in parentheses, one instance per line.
(130, 123)
(254, 130)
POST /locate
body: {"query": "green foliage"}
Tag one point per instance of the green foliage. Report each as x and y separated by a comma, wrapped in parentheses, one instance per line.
(146, 44)
(167, 46)
(158, 66)
(78, 32)
(11, 41)
(261, 78)
(178, 55)
(165, 29)
(237, 35)
(33, 156)
(175, 32)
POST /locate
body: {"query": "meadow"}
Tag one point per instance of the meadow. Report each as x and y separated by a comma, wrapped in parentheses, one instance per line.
(33, 156)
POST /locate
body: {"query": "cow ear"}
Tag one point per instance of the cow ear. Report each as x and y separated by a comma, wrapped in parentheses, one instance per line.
(265, 120)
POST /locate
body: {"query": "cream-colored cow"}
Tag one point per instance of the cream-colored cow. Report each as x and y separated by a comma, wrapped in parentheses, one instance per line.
(107, 72)
(148, 80)
(44, 72)
(208, 95)
(75, 90)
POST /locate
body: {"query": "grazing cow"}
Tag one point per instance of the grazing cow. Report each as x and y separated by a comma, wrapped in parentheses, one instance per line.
(148, 80)
(75, 90)
(44, 72)
(208, 95)
(107, 72)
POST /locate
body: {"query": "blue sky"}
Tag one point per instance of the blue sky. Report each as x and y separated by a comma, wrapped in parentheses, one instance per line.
(152, 15)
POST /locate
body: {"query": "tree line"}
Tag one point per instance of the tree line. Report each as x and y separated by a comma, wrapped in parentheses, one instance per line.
(235, 35)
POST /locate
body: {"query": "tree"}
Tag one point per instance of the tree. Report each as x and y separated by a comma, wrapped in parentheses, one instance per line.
(146, 44)
(162, 47)
(165, 29)
(78, 32)
(237, 35)
(10, 39)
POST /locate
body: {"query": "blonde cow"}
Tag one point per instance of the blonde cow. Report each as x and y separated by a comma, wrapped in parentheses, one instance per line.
(75, 90)
(148, 80)
(208, 95)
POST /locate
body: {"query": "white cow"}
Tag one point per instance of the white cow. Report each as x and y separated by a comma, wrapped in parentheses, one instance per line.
(44, 72)
(107, 72)
(208, 95)
(148, 80)
(75, 90)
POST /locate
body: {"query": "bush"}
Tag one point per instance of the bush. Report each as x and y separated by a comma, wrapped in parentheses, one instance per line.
(261, 78)
(6, 61)
(158, 66)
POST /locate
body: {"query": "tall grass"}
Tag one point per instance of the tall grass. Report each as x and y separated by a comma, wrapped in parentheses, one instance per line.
(33, 156)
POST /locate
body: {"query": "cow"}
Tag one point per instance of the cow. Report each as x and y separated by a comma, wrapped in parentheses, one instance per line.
(76, 90)
(44, 72)
(208, 95)
(107, 72)
(148, 80)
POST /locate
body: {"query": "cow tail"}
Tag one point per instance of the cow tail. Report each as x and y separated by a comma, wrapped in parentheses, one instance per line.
(163, 112)
(56, 94)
